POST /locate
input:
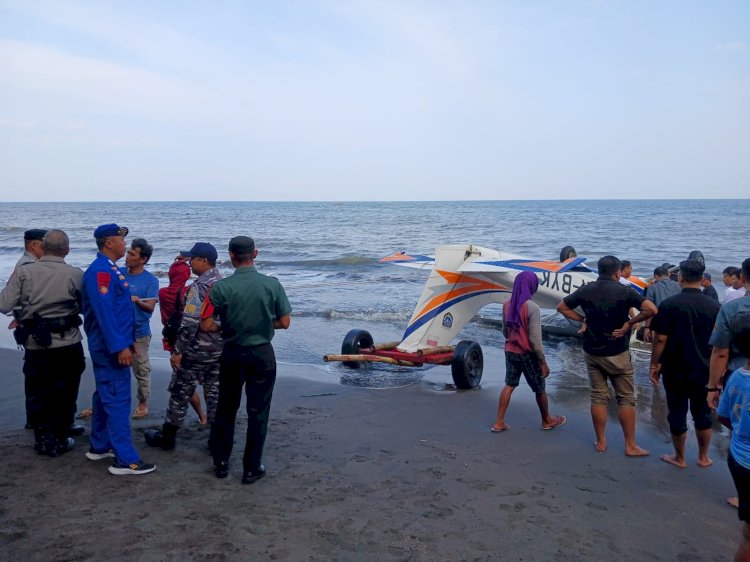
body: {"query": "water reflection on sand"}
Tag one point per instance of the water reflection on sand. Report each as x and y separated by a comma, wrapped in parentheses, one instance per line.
(568, 385)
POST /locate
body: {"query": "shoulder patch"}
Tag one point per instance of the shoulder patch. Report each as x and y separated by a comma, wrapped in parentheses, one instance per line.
(207, 310)
(102, 281)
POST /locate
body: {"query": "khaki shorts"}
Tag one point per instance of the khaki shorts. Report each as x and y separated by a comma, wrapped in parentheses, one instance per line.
(619, 370)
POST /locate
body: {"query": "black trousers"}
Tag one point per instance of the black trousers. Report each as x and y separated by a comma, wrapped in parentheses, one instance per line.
(255, 368)
(684, 394)
(52, 380)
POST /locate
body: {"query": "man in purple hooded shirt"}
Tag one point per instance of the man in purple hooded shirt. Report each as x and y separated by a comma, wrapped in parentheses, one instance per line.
(524, 353)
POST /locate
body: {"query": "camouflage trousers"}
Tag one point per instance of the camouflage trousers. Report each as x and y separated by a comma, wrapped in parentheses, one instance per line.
(194, 370)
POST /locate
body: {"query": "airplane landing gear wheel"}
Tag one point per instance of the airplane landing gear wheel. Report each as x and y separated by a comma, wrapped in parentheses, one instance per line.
(353, 342)
(697, 255)
(467, 364)
(568, 252)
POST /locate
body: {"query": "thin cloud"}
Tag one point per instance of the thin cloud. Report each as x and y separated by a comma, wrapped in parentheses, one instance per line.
(735, 46)
(38, 68)
(17, 124)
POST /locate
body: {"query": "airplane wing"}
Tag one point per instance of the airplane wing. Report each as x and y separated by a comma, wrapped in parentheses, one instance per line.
(418, 261)
(497, 266)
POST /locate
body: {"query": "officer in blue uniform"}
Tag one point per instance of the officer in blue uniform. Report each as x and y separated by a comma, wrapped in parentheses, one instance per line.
(108, 322)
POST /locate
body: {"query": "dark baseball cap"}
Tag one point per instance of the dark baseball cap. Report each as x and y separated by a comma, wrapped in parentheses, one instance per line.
(202, 250)
(706, 275)
(34, 234)
(241, 245)
(106, 230)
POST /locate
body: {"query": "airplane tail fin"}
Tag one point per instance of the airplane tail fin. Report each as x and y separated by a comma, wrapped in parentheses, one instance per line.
(450, 298)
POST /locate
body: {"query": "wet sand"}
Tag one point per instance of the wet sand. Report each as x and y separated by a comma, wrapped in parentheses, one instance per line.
(406, 473)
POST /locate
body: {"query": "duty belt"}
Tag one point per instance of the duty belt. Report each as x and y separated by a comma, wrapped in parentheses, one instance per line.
(58, 325)
(41, 329)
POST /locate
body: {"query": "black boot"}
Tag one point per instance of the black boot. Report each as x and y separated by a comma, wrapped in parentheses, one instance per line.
(165, 439)
(57, 447)
(221, 469)
(250, 476)
(153, 437)
(41, 442)
(168, 433)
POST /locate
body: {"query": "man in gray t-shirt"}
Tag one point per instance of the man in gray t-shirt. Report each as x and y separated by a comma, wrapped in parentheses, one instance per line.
(662, 289)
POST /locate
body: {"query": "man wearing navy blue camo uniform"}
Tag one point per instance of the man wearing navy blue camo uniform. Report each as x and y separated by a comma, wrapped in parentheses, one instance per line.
(196, 355)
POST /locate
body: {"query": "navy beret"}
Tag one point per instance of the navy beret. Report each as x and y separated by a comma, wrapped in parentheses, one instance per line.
(112, 229)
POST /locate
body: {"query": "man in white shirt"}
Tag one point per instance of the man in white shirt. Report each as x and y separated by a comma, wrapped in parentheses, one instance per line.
(735, 286)
(625, 272)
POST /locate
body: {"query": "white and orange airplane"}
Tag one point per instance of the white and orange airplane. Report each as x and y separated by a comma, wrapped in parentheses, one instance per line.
(463, 279)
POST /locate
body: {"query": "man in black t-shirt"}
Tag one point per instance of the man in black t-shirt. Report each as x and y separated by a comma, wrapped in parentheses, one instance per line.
(681, 353)
(606, 343)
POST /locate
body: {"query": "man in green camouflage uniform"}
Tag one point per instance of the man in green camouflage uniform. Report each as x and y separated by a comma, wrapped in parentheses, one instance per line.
(196, 355)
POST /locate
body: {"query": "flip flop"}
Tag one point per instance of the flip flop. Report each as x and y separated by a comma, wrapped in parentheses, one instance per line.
(83, 414)
(561, 421)
(493, 430)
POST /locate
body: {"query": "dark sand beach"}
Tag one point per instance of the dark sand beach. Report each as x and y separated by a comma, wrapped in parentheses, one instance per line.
(359, 474)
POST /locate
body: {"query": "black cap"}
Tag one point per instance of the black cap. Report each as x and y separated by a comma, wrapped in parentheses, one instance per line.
(241, 245)
(202, 250)
(34, 234)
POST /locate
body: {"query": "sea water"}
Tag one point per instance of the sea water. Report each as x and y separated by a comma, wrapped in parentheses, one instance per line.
(326, 256)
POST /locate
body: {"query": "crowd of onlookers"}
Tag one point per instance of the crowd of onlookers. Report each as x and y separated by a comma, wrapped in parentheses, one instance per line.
(700, 352)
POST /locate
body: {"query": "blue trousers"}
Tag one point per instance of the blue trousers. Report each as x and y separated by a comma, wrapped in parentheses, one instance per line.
(110, 423)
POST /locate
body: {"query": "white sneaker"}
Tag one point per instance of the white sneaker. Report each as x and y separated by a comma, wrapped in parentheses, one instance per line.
(94, 456)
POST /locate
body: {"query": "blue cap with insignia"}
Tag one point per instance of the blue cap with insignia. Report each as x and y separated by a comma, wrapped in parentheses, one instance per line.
(202, 250)
(112, 229)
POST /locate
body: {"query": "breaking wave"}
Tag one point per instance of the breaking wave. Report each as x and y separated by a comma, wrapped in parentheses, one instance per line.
(343, 260)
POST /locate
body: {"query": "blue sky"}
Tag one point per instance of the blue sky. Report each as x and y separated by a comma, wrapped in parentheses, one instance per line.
(374, 100)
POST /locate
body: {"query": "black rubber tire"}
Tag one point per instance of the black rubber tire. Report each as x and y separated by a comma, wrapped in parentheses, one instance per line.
(697, 255)
(568, 252)
(353, 342)
(467, 364)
